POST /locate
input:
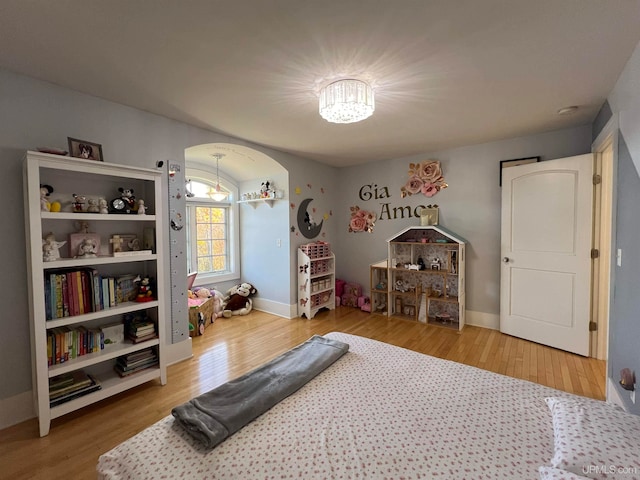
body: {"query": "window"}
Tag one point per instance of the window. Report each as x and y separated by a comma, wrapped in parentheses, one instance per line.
(212, 237)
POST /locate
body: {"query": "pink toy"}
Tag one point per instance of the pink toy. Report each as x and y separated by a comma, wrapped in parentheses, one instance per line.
(354, 289)
(349, 300)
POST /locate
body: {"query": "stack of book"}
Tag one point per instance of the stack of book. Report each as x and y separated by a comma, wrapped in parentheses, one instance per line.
(134, 362)
(69, 386)
(140, 330)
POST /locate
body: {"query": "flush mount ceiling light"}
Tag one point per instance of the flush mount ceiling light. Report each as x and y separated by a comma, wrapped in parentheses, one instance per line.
(217, 194)
(346, 101)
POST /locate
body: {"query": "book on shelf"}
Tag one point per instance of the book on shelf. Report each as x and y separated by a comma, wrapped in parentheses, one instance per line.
(93, 386)
(76, 291)
(144, 338)
(66, 343)
(126, 288)
(131, 253)
(134, 362)
(68, 382)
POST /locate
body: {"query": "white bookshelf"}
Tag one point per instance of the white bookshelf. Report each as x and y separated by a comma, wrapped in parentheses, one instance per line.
(93, 179)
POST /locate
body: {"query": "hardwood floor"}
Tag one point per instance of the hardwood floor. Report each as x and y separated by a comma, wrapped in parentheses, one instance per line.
(231, 347)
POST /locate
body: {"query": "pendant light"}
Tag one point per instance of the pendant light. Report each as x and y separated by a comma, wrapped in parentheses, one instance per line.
(218, 195)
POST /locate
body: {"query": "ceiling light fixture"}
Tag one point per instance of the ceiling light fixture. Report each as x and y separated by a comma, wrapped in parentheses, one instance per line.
(346, 101)
(217, 194)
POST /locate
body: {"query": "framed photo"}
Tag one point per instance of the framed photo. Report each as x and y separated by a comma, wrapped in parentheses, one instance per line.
(515, 162)
(130, 242)
(429, 216)
(84, 149)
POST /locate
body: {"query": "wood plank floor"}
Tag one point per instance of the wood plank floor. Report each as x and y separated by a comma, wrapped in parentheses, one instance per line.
(231, 347)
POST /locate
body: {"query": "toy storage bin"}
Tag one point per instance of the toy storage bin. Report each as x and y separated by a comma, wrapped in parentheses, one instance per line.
(316, 249)
(206, 308)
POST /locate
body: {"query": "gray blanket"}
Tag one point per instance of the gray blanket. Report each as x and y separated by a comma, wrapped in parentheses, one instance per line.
(213, 416)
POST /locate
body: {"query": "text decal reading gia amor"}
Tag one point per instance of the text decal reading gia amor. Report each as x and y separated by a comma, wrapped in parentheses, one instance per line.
(374, 192)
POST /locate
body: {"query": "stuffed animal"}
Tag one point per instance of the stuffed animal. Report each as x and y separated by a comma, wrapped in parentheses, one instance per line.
(238, 301)
(202, 292)
(79, 202)
(218, 304)
(45, 191)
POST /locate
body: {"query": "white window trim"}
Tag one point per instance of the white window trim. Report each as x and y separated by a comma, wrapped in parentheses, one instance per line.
(203, 278)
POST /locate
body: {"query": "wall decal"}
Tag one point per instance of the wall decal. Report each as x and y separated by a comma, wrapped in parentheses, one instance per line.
(361, 220)
(306, 224)
(425, 177)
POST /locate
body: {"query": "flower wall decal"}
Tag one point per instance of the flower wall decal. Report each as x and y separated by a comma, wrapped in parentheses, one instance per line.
(361, 220)
(424, 177)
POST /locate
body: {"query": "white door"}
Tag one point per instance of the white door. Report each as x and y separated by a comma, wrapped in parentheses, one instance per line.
(545, 282)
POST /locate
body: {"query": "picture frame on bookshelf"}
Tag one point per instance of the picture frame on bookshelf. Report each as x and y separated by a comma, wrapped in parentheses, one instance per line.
(84, 245)
(130, 242)
(149, 239)
(84, 149)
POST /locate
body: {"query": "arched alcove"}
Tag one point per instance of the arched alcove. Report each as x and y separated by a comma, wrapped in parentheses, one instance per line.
(263, 227)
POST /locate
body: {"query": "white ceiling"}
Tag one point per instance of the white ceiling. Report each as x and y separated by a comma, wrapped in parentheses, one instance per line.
(446, 73)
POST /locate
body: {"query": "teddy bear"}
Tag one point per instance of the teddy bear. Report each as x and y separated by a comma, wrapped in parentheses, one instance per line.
(238, 301)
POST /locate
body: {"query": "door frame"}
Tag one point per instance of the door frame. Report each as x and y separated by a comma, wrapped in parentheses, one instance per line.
(604, 236)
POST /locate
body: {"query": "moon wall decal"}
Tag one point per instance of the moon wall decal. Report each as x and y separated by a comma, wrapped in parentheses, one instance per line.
(306, 224)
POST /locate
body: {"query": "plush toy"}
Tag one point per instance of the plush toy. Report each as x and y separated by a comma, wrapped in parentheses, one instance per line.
(79, 202)
(218, 304)
(202, 292)
(45, 191)
(238, 301)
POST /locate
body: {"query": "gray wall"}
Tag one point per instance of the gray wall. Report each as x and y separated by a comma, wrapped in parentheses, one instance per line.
(624, 324)
(470, 206)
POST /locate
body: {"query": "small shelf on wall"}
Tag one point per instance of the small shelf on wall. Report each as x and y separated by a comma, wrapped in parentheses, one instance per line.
(254, 202)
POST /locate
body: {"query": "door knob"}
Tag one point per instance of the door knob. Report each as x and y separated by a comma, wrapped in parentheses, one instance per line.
(505, 259)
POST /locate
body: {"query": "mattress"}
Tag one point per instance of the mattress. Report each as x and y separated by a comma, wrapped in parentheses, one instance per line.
(380, 412)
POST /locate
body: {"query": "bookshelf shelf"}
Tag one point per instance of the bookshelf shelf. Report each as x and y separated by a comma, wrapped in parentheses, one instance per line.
(120, 309)
(112, 351)
(99, 260)
(111, 384)
(93, 308)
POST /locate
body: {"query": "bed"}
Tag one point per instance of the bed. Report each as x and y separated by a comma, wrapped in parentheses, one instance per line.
(383, 412)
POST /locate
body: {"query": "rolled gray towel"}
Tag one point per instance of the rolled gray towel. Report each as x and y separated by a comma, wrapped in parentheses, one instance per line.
(213, 416)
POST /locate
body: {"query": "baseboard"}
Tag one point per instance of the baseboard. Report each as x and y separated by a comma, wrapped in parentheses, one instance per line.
(275, 308)
(613, 396)
(482, 319)
(16, 409)
(177, 352)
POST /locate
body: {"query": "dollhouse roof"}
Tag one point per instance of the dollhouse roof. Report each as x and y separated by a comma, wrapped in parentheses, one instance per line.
(406, 233)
